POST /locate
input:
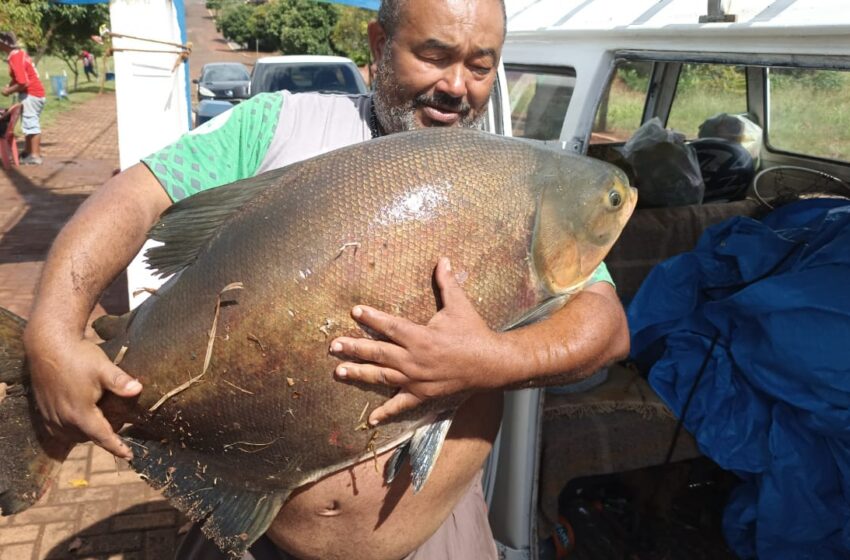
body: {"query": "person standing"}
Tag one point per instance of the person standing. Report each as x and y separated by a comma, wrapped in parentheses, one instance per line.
(26, 84)
(437, 62)
(88, 65)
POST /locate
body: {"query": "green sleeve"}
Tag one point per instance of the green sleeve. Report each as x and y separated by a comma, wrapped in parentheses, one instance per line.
(601, 274)
(225, 149)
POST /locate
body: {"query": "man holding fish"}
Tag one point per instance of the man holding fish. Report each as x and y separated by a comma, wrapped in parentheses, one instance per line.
(437, 62)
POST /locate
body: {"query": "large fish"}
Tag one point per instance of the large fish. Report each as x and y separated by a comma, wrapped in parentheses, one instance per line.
(240, 406)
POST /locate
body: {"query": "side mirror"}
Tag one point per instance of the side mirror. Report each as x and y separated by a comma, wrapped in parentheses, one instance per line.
(195, 81)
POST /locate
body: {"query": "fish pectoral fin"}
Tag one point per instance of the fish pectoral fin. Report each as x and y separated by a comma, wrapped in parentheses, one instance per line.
(108, 327)
(186, 227)
(395, 463)
(540, 312)
(425, 446)
(232, 516)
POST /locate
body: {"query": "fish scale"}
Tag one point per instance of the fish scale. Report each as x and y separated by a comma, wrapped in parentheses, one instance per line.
(364, 224)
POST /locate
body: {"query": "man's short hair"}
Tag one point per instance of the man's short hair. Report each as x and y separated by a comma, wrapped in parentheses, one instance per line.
(389, 15)
(9, 39)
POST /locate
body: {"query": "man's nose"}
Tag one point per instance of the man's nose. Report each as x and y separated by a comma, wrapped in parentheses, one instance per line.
(453, 82)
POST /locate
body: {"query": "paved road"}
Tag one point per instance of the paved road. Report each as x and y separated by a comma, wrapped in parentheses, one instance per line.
(97, 508)
(207, 45)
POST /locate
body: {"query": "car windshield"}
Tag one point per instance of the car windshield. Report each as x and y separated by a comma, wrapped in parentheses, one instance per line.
(225, 74)
(305, 77)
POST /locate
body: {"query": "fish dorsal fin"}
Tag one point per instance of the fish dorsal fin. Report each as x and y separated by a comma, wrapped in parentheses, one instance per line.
(186, 227)
(233, 517)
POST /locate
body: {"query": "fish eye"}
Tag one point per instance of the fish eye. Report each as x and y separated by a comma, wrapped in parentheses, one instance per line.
(614, 198)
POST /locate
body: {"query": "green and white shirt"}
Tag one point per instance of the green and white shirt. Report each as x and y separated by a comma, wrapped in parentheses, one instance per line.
(266, 132)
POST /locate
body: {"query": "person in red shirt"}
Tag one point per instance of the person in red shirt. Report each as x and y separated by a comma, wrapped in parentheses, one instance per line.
(30, 91)
(88, 65)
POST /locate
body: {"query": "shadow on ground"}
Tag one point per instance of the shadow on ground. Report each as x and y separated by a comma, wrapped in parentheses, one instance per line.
(46, 209)
(142, 532)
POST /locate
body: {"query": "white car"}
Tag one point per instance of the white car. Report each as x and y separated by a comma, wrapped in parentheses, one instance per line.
(301, 73)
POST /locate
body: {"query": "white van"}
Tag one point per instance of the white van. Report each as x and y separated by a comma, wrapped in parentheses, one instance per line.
(585, 75)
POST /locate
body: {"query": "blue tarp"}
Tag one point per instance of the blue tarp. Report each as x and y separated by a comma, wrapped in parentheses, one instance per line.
(773, 405)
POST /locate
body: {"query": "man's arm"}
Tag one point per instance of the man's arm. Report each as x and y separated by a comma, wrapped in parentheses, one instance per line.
(13, 88)
(69, 373)
(457, 352)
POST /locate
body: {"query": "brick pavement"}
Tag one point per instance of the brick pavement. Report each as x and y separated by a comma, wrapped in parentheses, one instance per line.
(97, 508)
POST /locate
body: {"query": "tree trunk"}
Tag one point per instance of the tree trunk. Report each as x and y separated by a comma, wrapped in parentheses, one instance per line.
(71, 63)
(45, 44)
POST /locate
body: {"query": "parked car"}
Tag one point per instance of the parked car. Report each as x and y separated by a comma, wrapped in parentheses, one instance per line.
(301, 73)
(223, 81)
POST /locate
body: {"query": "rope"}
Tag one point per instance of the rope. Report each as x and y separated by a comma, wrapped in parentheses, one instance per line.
(187, 47)
(182, 54)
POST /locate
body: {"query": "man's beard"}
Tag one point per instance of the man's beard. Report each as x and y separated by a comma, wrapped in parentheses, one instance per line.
(398, 116)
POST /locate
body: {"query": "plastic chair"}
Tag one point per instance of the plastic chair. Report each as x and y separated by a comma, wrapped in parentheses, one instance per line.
(8, 143)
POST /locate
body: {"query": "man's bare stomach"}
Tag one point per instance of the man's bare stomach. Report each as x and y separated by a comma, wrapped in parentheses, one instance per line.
(353, 515)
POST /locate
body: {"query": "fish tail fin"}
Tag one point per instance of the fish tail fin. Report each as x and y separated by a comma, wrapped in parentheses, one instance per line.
(422, 450)
(29, 459)
(232, 515)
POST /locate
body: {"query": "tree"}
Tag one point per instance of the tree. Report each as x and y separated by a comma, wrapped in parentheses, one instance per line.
(306, 26)
(68, 30)
(61, 30)
(24, 18)
(349, 35)
(234, 22)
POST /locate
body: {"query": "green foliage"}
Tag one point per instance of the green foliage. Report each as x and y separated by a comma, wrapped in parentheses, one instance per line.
(349, 36)
(247, 24)
(712, 78)
(829, 80)
(24, 18)
(236, 22)
(635, 75)
(296, 27)
(61, 30)
(306, 26)
(809, 115)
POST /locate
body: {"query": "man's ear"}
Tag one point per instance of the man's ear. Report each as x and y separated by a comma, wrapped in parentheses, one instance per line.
(377, 40)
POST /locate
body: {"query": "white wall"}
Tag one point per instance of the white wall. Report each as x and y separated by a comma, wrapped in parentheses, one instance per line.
(153, 108)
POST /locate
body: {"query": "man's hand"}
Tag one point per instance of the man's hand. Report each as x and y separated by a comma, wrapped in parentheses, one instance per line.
(69, 378)
(457, 352)
(70, 374)
(450, 355)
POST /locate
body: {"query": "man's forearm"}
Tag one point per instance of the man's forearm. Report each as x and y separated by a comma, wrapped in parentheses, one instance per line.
(14, 88)
(95, 245)
(589, 332)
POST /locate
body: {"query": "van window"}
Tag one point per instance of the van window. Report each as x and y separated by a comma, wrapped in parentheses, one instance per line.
(621, 109)
(808, 112)
(704, 90)
(539, 99)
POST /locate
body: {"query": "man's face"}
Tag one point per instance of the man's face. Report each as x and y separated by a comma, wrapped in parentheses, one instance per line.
(440, 65)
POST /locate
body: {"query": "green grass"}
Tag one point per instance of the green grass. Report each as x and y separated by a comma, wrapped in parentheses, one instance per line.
(811, 120)
(85, 91)
(805, 119)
